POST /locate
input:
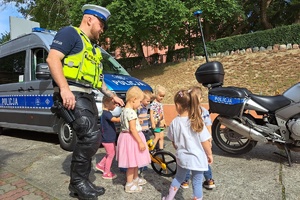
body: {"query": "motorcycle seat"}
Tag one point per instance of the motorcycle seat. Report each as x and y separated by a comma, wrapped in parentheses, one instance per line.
(271, 103)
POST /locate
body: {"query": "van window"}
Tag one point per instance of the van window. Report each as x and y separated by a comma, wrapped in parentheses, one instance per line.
(111, 66)
(38, 55)
(12, 67)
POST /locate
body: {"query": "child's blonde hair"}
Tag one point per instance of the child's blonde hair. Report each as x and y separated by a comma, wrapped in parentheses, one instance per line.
(148, 93)
(159, 89)
(134, 92)
(196, 92)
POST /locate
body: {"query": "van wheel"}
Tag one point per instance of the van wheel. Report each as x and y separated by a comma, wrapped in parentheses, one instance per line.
(67, 137)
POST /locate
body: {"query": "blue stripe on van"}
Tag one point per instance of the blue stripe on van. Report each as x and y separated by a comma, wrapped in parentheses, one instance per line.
(26, 101)
(225, 100)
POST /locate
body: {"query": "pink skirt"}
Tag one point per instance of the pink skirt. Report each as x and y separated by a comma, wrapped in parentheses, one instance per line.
(128, 153)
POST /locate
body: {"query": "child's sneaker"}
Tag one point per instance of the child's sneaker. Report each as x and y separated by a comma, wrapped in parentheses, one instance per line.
(99, 167)
(109, 175)
(185, 185)
(209, 184)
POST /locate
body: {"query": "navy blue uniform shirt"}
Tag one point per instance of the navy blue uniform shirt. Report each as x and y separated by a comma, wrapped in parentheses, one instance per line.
(69, 42)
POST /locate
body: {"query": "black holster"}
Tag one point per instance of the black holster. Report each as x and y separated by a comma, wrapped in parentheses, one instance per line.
(62, 112)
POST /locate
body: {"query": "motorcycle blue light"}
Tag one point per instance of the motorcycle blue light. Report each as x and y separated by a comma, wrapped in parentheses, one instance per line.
(198, 12)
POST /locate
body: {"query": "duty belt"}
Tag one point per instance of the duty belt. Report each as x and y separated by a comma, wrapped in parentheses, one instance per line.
(76, 89)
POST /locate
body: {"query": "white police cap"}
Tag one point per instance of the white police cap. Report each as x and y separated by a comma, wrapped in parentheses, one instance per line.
(98, 11)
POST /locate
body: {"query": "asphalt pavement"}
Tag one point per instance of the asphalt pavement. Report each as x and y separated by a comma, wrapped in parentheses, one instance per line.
(34, 167)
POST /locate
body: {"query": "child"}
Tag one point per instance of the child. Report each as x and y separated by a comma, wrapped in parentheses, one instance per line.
(209, 183)
(143, 116)
(190, 138)
(132, 150)
(109, 137)
(157, 116)
(142, 113)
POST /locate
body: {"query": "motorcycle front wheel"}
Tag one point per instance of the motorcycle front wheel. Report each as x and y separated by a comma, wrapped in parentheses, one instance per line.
(230, 141)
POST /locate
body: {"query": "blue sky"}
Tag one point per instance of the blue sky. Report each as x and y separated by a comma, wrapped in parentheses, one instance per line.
(6, 11)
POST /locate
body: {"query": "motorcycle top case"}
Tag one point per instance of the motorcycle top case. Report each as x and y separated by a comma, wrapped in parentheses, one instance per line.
(227, 101)
(210, 73)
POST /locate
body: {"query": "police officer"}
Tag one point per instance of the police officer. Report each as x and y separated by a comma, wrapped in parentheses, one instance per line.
(74, 62)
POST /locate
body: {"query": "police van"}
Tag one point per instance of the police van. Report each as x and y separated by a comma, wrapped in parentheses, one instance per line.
(26, 86)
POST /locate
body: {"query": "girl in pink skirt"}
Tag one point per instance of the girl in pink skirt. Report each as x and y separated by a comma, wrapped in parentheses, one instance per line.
(132, 149)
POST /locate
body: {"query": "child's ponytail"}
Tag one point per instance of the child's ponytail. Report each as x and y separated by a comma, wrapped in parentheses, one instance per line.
(195, 112)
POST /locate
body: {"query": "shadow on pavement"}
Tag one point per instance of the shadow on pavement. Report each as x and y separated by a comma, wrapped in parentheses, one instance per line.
(32, 135)
(266, 152)
(5, 155)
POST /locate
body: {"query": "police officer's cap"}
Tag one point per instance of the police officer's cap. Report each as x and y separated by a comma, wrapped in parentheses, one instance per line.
(100, 12)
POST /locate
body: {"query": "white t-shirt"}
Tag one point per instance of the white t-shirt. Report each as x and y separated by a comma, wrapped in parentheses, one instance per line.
(127, 115)
(189, 153)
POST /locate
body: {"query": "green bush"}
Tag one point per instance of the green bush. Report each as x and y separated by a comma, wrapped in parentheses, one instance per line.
(279, 35)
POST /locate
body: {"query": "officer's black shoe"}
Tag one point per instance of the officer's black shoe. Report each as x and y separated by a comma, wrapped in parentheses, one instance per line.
(82, 191)
(98, 189)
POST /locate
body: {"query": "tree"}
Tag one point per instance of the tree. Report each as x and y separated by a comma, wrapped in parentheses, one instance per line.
(164, 23)
(135, 23)
(284, 12)
(220, 17)
(265, 14)
(50, 14)
(4, 37)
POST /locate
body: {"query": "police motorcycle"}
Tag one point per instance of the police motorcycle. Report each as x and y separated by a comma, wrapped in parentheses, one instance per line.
(245, 118)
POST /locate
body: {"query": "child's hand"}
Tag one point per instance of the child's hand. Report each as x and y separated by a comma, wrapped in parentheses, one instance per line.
(153, 126)
(210, 159)
(141, 121)
(162, 124)
(142, 146)
(161, 116)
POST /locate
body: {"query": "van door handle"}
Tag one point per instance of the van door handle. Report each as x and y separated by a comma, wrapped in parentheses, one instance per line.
(21, 89)
(30, 89)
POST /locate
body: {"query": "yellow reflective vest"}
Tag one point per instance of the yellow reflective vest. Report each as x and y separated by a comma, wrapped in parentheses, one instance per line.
(84, 67)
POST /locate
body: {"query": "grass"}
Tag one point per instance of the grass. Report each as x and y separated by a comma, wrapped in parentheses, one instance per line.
(264, 73)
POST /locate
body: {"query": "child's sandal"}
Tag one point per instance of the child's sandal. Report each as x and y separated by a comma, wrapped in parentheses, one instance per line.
(140, 181)
(133, 188)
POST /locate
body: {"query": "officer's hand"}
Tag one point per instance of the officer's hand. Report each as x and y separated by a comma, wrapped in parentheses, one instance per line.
(68, 98)
(118, 100)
